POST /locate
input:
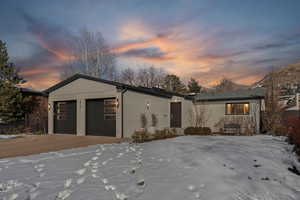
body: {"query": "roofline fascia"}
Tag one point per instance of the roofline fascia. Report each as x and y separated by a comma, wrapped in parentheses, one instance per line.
(230, 99)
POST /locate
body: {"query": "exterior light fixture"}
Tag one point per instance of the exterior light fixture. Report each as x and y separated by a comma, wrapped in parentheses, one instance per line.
(49, 107)
(148, 105)
(117, 102)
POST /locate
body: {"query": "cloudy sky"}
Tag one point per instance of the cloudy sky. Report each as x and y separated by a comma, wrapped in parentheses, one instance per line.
(205, 39)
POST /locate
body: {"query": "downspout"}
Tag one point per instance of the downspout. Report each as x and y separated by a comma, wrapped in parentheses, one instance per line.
(122, 111)
(260, 118)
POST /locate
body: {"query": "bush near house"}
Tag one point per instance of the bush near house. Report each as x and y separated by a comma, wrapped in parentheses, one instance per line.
(292, 124)
(164, 134)
(197, 131)
(142, 136)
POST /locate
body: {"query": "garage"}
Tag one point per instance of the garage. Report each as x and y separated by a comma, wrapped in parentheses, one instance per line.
(85, 105)
(101, 117)
(65, 117)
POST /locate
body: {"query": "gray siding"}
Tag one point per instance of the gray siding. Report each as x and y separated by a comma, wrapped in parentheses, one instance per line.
(136, 103)
(215, 111)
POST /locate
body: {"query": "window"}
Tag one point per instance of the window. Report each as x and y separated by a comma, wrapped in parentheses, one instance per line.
(110, 108)
(61, 111)
(237, 109)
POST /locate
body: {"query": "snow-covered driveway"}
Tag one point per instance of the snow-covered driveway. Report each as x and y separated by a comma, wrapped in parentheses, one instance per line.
(183, 168)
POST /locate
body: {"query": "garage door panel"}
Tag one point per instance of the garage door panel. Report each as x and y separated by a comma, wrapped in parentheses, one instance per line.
(101, 117)
(65, 117)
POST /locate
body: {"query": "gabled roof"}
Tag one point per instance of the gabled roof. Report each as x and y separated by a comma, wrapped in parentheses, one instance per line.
(257, 93)
(150, 91)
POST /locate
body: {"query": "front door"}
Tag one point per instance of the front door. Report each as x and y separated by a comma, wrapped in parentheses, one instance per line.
(175, 115)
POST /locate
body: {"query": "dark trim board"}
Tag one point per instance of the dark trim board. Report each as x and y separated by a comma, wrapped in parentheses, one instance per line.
(229, 99)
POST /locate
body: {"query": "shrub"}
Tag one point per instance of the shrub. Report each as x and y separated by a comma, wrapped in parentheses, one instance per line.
(140, 136)
(292, 124)
(154, 120)
(197, 131)
(164, 134)
(144, 121)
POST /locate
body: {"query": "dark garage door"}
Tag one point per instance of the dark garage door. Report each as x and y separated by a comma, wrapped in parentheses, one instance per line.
(65, 117)
(101, 117)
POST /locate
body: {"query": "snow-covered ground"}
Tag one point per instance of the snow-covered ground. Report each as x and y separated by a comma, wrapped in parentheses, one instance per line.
(183, 168)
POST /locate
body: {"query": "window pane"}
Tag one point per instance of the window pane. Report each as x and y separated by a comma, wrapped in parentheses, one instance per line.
(229, 109)
(110, 109)
(237, 108)
(61, 111)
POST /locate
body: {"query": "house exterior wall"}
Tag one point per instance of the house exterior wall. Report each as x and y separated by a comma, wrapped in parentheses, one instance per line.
(81, 90)
(215, 111)
(135, 104)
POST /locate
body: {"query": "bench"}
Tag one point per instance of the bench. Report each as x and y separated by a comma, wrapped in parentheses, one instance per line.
(232, 129)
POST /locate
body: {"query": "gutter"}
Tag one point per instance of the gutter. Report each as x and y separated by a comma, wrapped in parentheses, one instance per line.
(122, 112)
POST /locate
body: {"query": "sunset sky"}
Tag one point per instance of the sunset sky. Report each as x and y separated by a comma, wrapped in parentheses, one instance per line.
(205, 39)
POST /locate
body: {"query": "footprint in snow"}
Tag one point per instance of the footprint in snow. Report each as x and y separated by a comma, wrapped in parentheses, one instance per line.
(95, 158)
(64, 194)
(120, 155)
(121, 196)
(110, 187)
(80, 180)
(87, 164)
(33, 195)
(193, 189)
(39, 169)
(104, 180)
(81, 171)
(95, 176)
(95, 166)
(104, 162)
(68, 183)
(141, 182)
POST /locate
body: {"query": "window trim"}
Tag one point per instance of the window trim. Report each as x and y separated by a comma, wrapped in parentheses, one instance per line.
(226, 112)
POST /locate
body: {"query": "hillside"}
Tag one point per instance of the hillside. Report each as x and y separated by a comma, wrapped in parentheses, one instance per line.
(287, 75)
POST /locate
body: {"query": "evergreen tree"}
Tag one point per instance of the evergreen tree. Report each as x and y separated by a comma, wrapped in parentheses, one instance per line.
(172, 83)
(194, 86)
(12, 104)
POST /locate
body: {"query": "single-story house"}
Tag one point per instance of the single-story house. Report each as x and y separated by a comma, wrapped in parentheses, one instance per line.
(85, 105)
(240, 109)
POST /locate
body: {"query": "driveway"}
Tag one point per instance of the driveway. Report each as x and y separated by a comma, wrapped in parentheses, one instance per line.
(35, 144)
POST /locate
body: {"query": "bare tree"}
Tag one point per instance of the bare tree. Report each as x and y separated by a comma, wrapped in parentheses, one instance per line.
(198, 115)
(145, 76)
(128, 76)
(91, 56)
(272, 116)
